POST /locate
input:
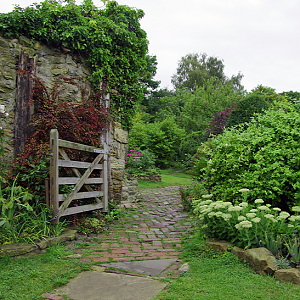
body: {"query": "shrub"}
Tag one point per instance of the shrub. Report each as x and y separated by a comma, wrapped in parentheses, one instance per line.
(140, 162)
(264, 158)
(190, 193)
(246, 108)
(218, 122)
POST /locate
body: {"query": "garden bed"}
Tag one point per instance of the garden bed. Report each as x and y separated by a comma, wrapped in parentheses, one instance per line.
(261, 260)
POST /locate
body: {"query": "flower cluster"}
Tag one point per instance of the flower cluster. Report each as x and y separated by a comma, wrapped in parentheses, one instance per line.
(244, 224)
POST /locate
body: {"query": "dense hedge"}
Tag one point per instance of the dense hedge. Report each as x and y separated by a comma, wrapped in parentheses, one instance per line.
(264, 158)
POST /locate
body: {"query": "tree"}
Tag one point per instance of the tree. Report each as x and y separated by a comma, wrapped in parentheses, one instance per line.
(195, 69)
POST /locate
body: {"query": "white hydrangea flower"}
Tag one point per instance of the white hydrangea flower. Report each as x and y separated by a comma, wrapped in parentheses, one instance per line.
(251, 215)
(211, 214)
(263, 207)
(218, 214)
(269, 216)
(284, 214)
(296, 208)
(256, 220)
(235, 208)
(226, 217)
(241, 218)
(246, 224)
(258, 201)
(244, 190)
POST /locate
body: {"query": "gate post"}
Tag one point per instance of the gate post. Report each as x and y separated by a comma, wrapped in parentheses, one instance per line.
(54, 202)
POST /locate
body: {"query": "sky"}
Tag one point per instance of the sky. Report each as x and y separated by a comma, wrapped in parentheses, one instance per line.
(258, 38)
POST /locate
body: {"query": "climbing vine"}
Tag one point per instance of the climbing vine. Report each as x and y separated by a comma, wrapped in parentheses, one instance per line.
(110, 38)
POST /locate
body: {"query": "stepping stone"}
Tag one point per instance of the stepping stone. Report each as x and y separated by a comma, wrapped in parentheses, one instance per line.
(147, 267)
(95, 285)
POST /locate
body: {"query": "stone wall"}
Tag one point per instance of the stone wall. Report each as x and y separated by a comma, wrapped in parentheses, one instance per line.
(47, 63)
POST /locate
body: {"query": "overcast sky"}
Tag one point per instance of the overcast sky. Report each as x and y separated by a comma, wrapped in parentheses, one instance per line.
(259, 38)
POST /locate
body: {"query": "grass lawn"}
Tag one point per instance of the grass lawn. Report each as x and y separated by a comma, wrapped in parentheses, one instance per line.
(215, 276)
(31, 276)
(169, 177)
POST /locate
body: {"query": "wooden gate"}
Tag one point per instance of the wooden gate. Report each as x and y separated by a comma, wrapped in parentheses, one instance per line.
(60, 203)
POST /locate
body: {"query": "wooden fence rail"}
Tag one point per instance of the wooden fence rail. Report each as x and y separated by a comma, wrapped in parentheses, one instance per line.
(81, 180)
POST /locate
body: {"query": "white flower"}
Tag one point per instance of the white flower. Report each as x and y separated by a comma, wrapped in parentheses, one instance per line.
(268, 205)
(246, 224)
(263, 207)
(207, 196)
(276, 209)
(294, 218)
(243, 204)
(296, 208)
(269, 216)
(253, 210)
(257, 201)
(290, 225)
(2, 109)
(238, 226)
(284, 214)
(6, 114)
(211, 214)
(235, 208)
(226, 217)
(256, 220)
(251, 215)
(241, 218)
(244, 190)
(274, 220)
(227, 204)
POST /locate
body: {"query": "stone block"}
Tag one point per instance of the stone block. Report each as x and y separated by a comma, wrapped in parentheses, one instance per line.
(219, 245)
(16, 249)
(261, 260)
(288, 275)
(239, 252)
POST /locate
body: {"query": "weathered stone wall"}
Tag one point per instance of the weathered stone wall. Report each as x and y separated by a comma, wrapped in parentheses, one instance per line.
(49, 63)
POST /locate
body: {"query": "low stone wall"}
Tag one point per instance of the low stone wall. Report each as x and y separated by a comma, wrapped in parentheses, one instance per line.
(130, 191)
(154, 178)
(261, 260)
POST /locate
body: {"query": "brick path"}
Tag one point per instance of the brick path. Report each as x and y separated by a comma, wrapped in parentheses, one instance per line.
(151, 230)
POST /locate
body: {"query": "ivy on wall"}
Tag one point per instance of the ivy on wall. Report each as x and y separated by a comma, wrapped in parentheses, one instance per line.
(110, 38)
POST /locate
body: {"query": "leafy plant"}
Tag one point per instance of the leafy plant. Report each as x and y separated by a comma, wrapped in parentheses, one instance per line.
(140, 162)
(293, 246)
(244, 224)
(90, 225)
(263, 158)
(282, 263)
(110, 38)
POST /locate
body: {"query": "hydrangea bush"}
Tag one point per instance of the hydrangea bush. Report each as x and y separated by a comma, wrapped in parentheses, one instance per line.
(247, 225)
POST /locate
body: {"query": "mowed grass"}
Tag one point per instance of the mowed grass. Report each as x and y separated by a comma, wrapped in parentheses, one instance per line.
(215, 276)
(169, 177)
(31, 276)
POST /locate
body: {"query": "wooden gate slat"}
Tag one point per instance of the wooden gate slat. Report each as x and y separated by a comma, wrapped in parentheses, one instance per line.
(80, 209)
(74, 180)
(76, 146)
(77, 164)
(82, 195)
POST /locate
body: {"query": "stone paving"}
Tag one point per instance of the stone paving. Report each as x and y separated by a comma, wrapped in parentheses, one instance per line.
(151, 229)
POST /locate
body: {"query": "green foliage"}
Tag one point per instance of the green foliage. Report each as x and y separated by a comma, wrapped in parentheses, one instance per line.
(246, 108)
(190, 193)
(293, 246)
(110, 38)
(195, 69)
(140, 162)
(161, 138)
(90, 225)
(282, 263)
(263, 158)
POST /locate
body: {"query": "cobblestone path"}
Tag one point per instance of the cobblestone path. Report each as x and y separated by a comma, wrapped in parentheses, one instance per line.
(151, 230)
